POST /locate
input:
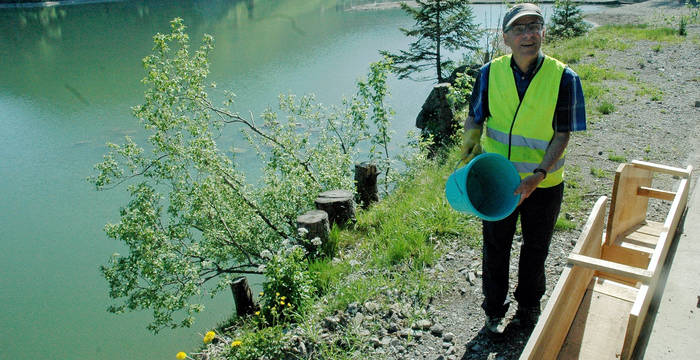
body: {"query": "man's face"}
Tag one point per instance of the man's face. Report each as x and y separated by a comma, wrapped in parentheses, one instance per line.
(522, 38)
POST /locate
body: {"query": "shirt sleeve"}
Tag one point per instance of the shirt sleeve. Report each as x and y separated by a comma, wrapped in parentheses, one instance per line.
(570, 113)
(479, 103)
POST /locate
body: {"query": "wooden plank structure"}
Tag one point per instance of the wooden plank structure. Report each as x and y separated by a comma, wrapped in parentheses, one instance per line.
(598, 306)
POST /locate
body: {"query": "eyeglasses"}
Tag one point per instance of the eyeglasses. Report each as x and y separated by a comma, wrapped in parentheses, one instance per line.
(530, 28)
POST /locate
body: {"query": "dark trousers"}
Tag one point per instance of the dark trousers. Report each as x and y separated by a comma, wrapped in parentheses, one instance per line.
(538, 215)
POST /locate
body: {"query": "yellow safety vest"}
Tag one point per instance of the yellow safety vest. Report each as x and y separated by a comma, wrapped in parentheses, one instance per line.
(522, 131)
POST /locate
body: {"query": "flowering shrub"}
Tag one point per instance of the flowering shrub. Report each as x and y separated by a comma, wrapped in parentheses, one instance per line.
(288, 286)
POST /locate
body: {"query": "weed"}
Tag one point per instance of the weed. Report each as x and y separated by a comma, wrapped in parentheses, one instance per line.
(656, 48)
(599, 173)
(606, 107)
(616, 158)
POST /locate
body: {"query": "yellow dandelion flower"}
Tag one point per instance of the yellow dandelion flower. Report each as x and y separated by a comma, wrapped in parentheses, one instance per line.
(209, 336)
(289, 304)
(281, 302)
(257, 313)
(283, 298)
(236, 343)
(277, 294)
(262, 293)
(181, 355)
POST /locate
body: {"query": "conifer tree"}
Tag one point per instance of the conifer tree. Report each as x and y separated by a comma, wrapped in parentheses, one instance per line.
(441, 25)
(567, 21)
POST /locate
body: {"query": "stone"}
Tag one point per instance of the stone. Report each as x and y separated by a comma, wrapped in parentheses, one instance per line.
(471, 278)
(374, 341)
(331, 322)
(422, 324)
(371, 306)
(448, 337)
(392, 328)
(437, 329)
(353, 308)
(386, 340)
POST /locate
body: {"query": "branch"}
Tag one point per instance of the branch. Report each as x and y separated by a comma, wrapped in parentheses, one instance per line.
(235, 118)
(253, 206)
(123, 180)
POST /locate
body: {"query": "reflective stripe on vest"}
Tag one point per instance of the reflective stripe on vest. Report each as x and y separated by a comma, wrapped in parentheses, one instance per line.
(522, 131)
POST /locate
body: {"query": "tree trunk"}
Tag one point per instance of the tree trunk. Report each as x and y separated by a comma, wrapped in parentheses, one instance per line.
(366, 183)
(243, 297)
(339, 205)
(316, 222)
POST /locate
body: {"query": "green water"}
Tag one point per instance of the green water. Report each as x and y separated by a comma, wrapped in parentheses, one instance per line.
(68, 78)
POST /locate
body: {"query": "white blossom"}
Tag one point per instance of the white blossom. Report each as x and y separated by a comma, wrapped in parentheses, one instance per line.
(316, 241)
(266, 254)
(302, 231)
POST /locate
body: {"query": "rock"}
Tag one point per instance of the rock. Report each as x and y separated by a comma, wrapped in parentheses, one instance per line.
(471, 278)
(441, 357)
(371, 306)
(386, 340)
(446, 345)
(374, 341)
(353, 308)
(331, 323)
(392, 328)
(422, 324)
(462, 291)
(395, 342)
(439, 268)
(364, 332)
(437, 329)
(448, 337)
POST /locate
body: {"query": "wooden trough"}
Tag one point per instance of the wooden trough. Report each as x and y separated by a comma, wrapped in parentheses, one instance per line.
(598, 306)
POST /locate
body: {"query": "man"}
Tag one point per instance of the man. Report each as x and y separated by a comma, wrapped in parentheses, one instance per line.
(529, 103)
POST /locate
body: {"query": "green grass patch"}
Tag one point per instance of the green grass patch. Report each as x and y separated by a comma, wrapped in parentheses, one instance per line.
(617, 158)
(595, 73)
(606, 107)
(599, 173)
(565, 224)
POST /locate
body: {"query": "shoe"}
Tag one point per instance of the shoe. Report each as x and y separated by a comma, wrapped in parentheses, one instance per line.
(526, 317)
(495, 326)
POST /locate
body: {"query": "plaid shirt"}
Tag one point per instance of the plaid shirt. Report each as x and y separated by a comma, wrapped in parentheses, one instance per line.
(570, 112)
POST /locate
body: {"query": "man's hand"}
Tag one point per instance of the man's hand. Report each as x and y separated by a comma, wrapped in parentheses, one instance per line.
(471, 146)
(528, 185)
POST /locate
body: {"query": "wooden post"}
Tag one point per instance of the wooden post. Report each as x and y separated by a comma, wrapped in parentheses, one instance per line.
(339, 205)
(366, 183)
(243, 297)
(316, 222)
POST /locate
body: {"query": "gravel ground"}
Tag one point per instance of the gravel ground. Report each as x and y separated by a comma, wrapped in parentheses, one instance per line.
(663, 131)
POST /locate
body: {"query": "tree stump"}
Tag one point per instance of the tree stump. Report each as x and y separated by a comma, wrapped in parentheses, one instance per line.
(339, 205)
(316, 222)
(366, 183)
(243, 297)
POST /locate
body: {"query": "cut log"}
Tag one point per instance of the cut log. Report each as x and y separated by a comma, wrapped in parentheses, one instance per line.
(316, 222)
(243, 297)
(366, 183)
(339, 205)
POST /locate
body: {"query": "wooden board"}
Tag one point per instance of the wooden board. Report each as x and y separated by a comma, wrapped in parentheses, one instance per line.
(549, 333)
(627, 209)
(599, 328)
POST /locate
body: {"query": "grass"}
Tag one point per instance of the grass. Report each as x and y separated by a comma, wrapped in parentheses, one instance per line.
(616, 158)
(599, 173)
(606, 107)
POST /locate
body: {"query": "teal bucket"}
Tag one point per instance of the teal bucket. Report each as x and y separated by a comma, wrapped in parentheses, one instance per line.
(484, 187)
